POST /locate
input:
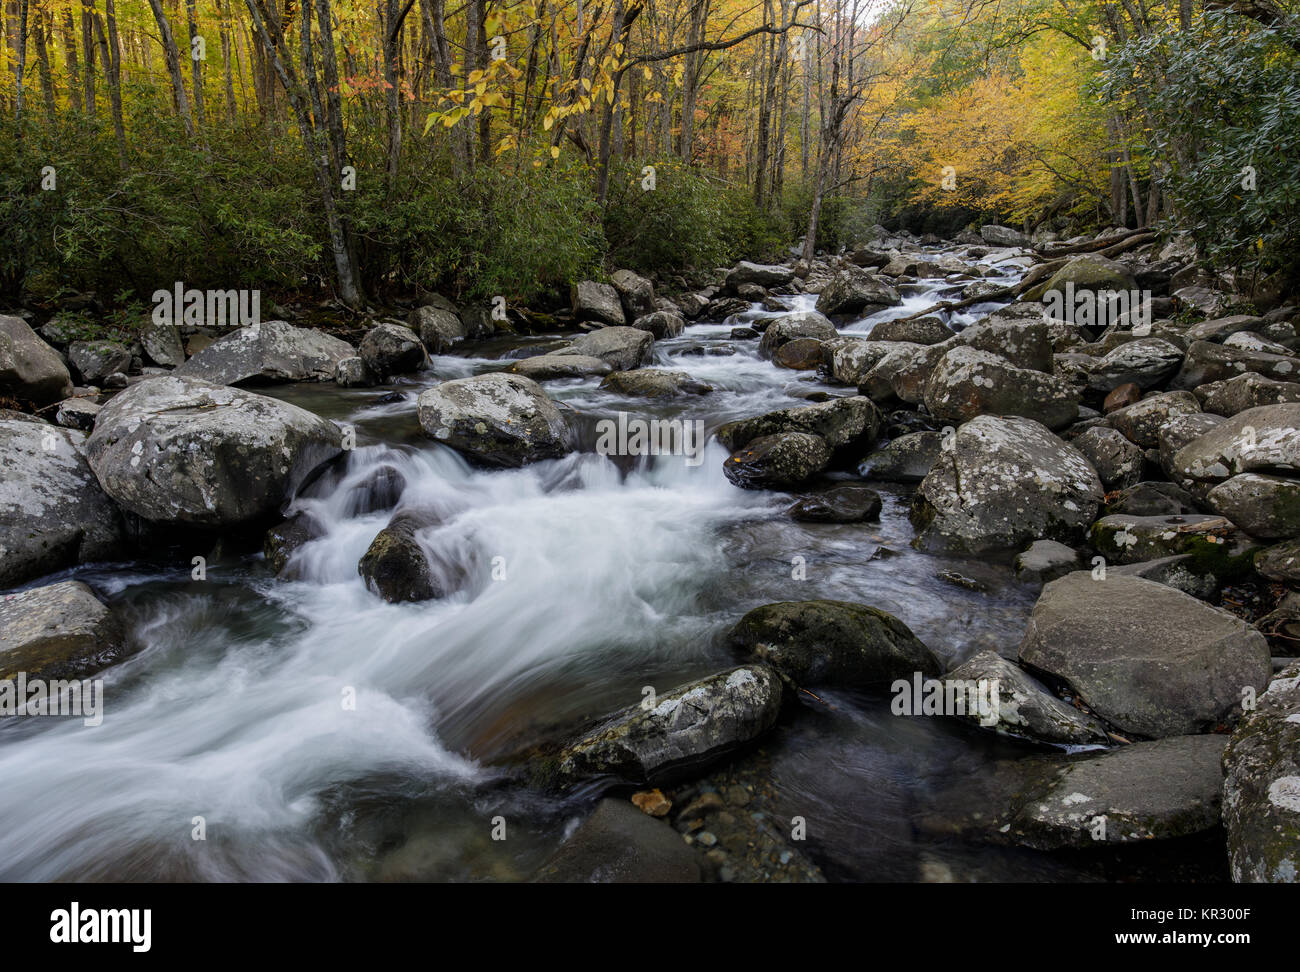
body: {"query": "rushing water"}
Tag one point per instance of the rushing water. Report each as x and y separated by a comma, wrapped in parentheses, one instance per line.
(615, 577)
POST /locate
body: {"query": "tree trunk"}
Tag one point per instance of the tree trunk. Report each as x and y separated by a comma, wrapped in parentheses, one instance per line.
(173, 66)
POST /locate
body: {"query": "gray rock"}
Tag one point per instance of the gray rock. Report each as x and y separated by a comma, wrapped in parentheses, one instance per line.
(966, 383)
(807, 324)
(1147, 658)
(390, 349)
(850, 424)
(921, 330)
(180, 450)
(77, 413)
(907, 459)
(93, 361)
(1146, 362)
(496, 419)
(1261, 791)
(271, 351)
(438, 327)
(1002, 235)
(396, 567)
(1125, 539)
(636, 293)
(1044, 561)
(162, 344)
(53, 513)
(30, 370)
(856, 291)
(622, 348)
(547, 367)
(777, 461)
(662, 324)
(1002, 483)
(1264, 439)
(285, 539)
(1219, 328)
(831, 643)
(1206, 362)
(1153, 499)
(654, 383)
(618, 844)
(1263, 506)
(1117, 460)
(1024, 708)
(1182, 431)
(353, 373)
(598, 302)
(1142, 421)
(1280, 562)
(757, 273)
(1092, 275)
(839, 504)
(1246, 391)
(686, 730)
(61, 631)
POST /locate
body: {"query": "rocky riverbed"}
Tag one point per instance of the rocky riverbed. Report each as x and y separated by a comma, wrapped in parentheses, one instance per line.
(683, 584)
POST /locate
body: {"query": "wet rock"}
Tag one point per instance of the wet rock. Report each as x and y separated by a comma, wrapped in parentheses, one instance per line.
(1261, 791)
(271, 351)
(438, 327)
(353, 373)
(850, 425)
(853, 359)
(1264, 439)
(662, 324)
(907, 459)
(547, 367)
(831, 643)
(757, 273)
(496, 419)
(801, 354)
(53, 512)
(777, 461)
(1147, 658)
(687, 729)
(30, 370)
(921, 330)
(856, 291)
(396, 567)
(77, 413)
(61, 631)
(622, 348)
(1155, 790)
(652, 383)
(1004, 482)
(839, 504)
(390, 349)
(1246, 391)
(618, 844)
(181, 450)
(1126, 539)
(652, 802)
(1117, 460)
(283, 540)
(1024, 708)
(597, 302)
(1044, 561)
(635, 292)
(1263, 506)
(782, 330)
(1141, 422)
(966, 383)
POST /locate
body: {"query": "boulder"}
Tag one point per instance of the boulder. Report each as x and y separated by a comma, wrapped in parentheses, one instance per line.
(1206, 362)
(53, 513)
(757, 273)
(1126, 539)
(1182, 431)
(181, 450)
(30, 370)
(1141, 422)
(93, 361)
(622, 348)
(353, 373)
(162, 344)
(907, 459)
(653, 383)
(966, 383)
(271, 351)
(61, 631)
(1024, 708)
(921, 330)
(831, 643)
(808, 324)
(597, 302)
(1263, 506)
(77, 413)
(1219, 328)
(1091, 275)
(1246, 391)
(1280, 563)
(801, 354)
(1153, 499)
(856, 291)
(777, 461)
(397, 568)
(850, 424)
(618, 844)
(1117, 460)
(839, 504)
(1045, 560)
(1149, 659)
(1261, 789)
(1146, 362)
(1002, 235)
(390, 349)
(1264, 439)
(661, 324)
(1004, 481)
(438, 327)
(547, 367)
(495, 419)
(636, 293)
(284, 539)
(685, 731)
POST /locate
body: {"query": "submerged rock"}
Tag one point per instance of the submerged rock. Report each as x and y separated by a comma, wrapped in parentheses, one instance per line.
(618, 844)
(396, 567)
(777, 461)
(839, 504)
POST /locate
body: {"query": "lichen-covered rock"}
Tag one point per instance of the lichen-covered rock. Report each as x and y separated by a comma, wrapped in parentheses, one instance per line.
(1261, 791)
(1153, 498)
(654, 383)
(622, 348)
(77, 413)
(1147, 658)
(662, 324)
(1117, 460)
(1246, 391)
(60, 631)
(30, 370)
(53, 512)
(636, 293)
(686, 730)
(839, 504)
(1206, 362)
(1002, 483)
(439, 327)
(777, 461)
(353, 373)
(764, 275)
(162, 344)
(1126, 539)
(1023, 707)
(1264, 439)
(920, 330)
(1142, 421)
(966, 383)
(907, 459)
(1182, 431)
(1146, 362)
(93, 361)
(850, 424)
(856, 291)
(831, 643)
(598, 302)
(180, 450)
(782, 330)
(496, 419)
(1280, 562)
(548, 367)
(397, 568)
(1263, 506)
(390, 349)
(272, 351)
